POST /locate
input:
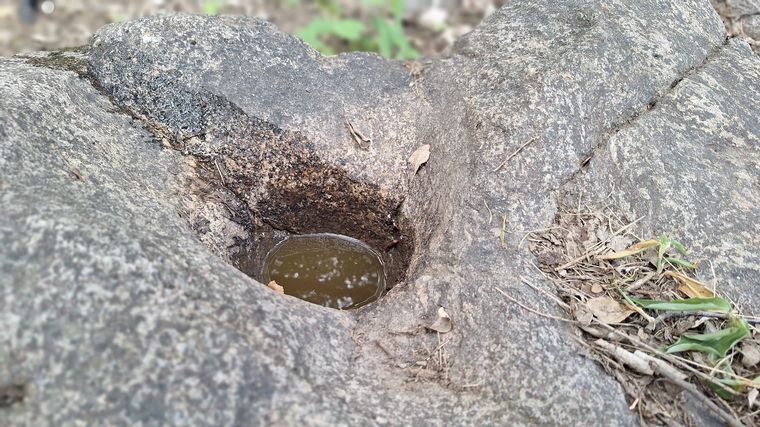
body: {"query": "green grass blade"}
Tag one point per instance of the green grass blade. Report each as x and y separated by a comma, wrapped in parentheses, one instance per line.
(714, 304)
(679, 247)
(680, 262)
(348, 29)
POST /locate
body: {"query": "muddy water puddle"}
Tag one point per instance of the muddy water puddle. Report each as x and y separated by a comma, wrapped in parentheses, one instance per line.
(326, 269)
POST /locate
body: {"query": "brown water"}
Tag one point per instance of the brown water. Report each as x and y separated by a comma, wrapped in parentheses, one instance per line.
(326, 269)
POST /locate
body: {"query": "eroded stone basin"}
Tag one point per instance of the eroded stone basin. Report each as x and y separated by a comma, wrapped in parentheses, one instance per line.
(326, 269)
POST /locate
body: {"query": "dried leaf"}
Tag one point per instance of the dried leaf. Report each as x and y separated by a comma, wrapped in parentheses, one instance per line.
(585, 317)
(443, 323)
(275, 287)
(750, 355)
(420, 157)
(752, 397)
(607, 310)
(597, 288)
(362, 141)
(691, 287)
(633, 250)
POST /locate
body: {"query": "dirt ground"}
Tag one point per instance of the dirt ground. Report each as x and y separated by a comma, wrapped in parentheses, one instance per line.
(431, 25)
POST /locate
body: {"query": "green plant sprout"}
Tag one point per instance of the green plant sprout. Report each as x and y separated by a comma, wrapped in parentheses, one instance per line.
(384, 33)
(663, 245)
(212, 7)
(716, 345)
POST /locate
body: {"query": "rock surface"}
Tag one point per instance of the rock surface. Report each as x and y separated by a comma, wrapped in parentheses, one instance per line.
(126, 193)
(742, 19)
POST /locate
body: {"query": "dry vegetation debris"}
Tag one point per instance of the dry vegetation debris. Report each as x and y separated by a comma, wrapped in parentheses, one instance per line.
(638, 308)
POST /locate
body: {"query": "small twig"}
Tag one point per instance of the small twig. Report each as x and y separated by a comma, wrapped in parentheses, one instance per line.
(472, 385)
(633, 405)
(639, 283)
(220, 172)
(626, 357)
(516, 152)
(503, 232)
(73, 170)
(552, 297)
(599, 334)
(536, 312)
(625, 227)
(539, 230)
(669, 357)
(382, 347)
(490, 214)
(714, 370)
(662, 364)
(750, 415)
(577, 260)
(437, 348)
(694, 391)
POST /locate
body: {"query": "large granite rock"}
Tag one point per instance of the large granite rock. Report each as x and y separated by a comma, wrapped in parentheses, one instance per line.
(138, 173)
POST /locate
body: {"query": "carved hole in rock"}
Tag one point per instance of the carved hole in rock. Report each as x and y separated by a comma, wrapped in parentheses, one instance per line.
(278, 184)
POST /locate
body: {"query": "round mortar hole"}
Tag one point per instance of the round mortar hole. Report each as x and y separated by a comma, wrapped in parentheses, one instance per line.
(326, 269)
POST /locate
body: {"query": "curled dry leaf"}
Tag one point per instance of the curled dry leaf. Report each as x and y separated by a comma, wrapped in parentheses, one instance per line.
(752, 397)
(420, 157)
(607, 310)
(443, 323)
(690, 287)
(362, 141)
(275, 287)
(750, 355)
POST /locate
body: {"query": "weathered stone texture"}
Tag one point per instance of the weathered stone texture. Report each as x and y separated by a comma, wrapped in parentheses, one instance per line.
(120, 192)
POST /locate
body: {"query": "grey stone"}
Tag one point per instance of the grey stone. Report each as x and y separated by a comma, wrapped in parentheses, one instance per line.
(703, 137)
(130, 195)
(742, 18)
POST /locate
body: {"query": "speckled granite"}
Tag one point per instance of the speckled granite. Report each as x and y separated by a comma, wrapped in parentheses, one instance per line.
(119, 309)
(704, 137)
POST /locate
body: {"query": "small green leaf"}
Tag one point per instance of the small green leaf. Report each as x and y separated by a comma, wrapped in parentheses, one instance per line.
(680, 262)
(664, 248)
(397, 6)
(384, 41)
(716, 344)
(665, 243)
(313, 32)
(212, 7)
(714, 304)
(348, 29)
(405, 50)
(679, 247)
(720, 391)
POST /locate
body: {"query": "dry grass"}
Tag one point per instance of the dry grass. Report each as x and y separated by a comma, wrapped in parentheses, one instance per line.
(571, 255)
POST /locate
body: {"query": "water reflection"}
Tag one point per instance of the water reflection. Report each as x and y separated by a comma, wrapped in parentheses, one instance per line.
(326, 269)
